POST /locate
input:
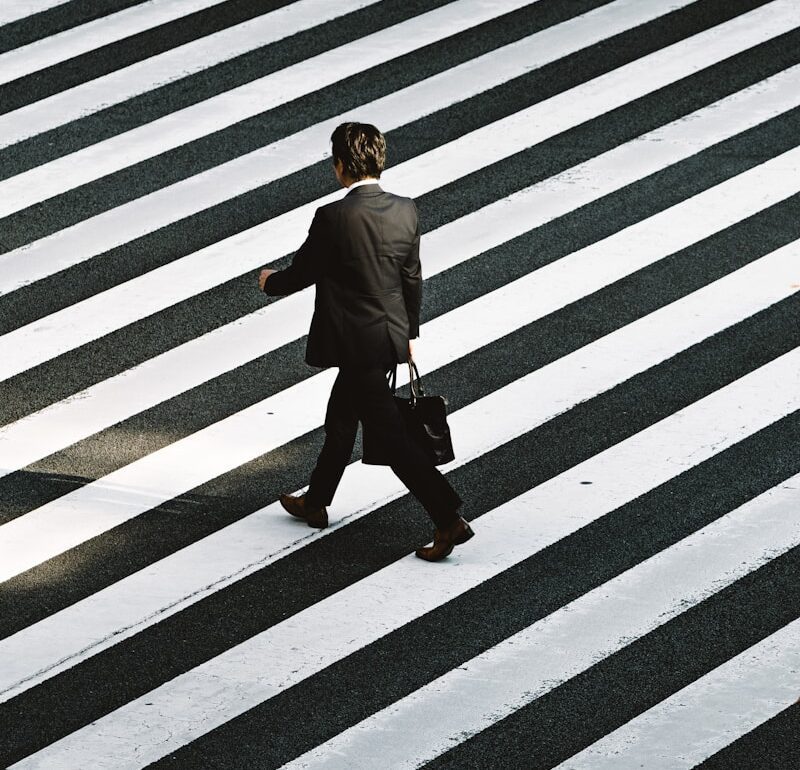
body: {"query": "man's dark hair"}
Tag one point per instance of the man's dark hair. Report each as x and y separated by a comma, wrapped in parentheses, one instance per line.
(361, 148)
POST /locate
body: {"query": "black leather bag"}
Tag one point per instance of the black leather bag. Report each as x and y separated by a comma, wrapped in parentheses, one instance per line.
(425, 418)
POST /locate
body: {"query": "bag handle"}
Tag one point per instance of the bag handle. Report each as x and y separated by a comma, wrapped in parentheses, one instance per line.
(414, 380)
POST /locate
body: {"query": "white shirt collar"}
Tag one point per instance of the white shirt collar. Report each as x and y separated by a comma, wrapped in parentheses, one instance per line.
(367, 180)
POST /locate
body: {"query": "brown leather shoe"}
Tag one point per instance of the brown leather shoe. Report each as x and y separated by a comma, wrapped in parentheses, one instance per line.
(314, 517)
(445, 539)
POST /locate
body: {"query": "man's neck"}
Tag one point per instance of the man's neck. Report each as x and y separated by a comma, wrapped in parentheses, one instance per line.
(366, 180)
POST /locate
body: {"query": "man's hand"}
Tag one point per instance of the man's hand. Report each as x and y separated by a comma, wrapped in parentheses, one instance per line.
(410, 348)
(262, 278)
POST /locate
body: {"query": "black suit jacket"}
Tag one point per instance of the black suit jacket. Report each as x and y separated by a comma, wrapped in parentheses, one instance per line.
(362, 251)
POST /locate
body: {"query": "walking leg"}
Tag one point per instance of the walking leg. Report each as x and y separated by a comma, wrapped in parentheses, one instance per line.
(341, 425)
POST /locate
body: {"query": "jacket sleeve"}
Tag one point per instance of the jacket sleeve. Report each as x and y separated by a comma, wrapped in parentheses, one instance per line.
(411, 276)
(308, 264)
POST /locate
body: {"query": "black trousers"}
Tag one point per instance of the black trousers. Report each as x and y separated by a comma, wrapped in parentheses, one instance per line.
(364, 394)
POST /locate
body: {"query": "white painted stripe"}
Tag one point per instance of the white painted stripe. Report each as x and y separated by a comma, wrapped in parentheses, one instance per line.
(93, 34)
(531, 663)
(102, 313)
(162, 207)
(14, 10)
(566, 280)
(107, 617)
(713, 711)
(259, 95)
(180, 62)
(253, 671)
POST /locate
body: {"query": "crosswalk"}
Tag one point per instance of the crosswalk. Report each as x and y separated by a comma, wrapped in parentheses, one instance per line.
(609, 193)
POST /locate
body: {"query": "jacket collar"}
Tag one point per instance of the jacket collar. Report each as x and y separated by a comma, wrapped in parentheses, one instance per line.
(373, 188)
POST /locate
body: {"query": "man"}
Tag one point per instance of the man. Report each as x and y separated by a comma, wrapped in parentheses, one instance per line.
(362, 252)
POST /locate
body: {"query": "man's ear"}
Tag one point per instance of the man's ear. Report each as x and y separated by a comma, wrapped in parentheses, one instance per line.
(338, 168)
